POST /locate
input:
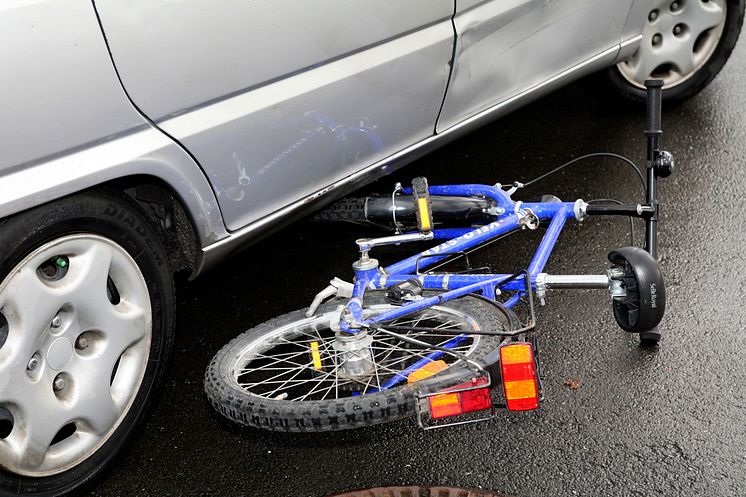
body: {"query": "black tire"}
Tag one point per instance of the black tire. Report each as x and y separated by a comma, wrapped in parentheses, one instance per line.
(396, 403)
(115, 217)
(650, 338)
(350, 209)
(610, 85)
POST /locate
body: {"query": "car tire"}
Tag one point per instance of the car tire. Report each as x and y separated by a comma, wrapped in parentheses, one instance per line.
(620, 83)
(65, 367)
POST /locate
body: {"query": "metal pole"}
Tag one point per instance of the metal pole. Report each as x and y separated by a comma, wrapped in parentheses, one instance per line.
(653, 132)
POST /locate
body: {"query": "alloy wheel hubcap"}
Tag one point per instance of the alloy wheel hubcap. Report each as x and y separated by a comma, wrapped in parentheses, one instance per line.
(72, 352)
(679, 38)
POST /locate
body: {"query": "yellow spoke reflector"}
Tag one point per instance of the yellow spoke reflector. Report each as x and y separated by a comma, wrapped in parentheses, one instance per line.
(429, 369)
(316, 356)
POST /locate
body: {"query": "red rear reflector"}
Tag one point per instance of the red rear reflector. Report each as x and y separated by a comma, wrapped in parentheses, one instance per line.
(452, 404)
(519, 376)
(476, 400)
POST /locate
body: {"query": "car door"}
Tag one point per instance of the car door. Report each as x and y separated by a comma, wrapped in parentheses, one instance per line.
(505, 47)
(277, 99)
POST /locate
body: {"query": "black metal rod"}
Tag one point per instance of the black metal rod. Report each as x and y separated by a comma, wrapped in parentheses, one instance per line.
(641, 211)
(653, 133)
(651, 224)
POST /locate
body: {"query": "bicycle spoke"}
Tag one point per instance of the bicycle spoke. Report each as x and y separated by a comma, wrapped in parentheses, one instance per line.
(270, 394)
(301, 368)
(266, 367)
(325, 376)
(416, 320)
(284, 359)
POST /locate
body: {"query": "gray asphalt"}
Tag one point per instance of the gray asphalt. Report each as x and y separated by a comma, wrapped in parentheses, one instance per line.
(670, 421)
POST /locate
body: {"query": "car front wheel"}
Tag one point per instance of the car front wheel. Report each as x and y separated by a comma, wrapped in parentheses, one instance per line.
(86, 328)
(685, 43)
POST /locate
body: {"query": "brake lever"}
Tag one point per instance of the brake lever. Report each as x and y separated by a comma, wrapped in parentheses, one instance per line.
(337, 287)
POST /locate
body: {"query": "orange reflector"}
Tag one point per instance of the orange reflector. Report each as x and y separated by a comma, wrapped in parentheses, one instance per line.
(444, 405)
(519, 376)
(516, 354)
(523, 389)
(427, 370)
(452, 404)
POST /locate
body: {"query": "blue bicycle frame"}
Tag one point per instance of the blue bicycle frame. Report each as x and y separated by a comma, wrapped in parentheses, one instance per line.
(516, 215)
(511, 216)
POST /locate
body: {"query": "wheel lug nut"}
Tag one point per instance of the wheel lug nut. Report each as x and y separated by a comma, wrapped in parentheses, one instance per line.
(33, 363)
(58, 384)
(678, 29)
(653, 16)
(675, 6)
(81, 343)
(56, 322)
(657, 39)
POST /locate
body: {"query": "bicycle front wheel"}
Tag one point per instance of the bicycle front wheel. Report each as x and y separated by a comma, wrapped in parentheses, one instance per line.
(289, 373)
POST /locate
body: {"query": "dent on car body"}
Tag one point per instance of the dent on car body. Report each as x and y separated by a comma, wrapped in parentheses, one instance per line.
(300, 134)
(506, 46)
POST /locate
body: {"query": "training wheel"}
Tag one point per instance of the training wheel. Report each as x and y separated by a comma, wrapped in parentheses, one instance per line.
(642, 307)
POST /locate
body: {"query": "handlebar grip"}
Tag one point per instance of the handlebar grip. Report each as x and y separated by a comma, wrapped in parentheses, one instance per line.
(654, 101)
(423, 208)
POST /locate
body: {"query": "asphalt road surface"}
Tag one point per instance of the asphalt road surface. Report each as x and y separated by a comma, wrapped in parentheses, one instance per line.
(670, 421)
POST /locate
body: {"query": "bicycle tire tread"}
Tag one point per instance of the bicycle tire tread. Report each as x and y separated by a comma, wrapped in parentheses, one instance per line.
(329, 415)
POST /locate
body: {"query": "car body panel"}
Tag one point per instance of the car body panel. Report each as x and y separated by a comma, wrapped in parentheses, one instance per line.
(66, 94)
(506, 46)
(269, 147)
(70, 125)
(145, 152)
(206, 51)
(237, 240)
(265, 132)
(637, 18)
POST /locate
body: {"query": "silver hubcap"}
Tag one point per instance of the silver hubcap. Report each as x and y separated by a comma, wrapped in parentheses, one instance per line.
(679, 37)
(75, 328)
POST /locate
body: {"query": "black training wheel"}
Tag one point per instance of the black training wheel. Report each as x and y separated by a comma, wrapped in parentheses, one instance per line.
(650, 338)
(643, 307)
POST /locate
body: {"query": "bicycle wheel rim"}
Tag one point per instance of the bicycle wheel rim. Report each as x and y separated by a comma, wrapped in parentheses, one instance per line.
(281, 364)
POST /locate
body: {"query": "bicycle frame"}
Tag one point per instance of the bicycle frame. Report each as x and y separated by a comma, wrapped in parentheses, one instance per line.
(458, 240)
(511, 216)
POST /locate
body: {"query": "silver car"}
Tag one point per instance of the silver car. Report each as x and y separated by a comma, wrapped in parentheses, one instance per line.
(140, 138)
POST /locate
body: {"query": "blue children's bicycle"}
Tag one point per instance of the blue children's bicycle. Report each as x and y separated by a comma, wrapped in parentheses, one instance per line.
(415, 338)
